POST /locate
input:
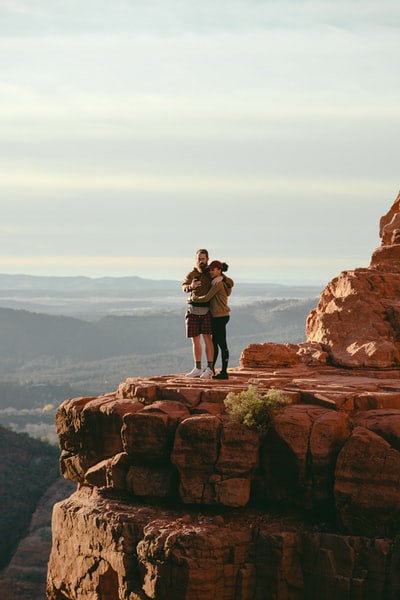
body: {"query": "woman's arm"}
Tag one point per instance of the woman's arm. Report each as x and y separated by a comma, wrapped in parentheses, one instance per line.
(215, 289)
(228, 283)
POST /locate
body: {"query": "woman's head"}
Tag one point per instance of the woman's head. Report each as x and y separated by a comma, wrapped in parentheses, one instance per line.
(218, 266)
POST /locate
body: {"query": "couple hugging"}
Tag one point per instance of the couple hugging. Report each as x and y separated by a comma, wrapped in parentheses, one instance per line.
(208, 314)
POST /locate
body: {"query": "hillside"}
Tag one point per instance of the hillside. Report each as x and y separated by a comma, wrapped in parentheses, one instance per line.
(32, 336)
(27, 468)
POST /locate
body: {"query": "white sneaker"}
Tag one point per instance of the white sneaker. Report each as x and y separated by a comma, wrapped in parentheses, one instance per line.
(207, 373)
(195, 372)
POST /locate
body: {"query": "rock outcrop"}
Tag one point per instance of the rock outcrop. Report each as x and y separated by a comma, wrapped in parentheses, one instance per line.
(175, 500)
(357, 320)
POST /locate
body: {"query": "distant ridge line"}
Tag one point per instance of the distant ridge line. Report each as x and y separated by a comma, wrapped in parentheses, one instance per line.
(129, 282)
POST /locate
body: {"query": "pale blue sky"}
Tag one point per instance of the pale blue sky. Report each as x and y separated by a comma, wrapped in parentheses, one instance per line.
(134, 132)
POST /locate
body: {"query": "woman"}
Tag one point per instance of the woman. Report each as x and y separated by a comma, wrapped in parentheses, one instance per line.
(221, 288)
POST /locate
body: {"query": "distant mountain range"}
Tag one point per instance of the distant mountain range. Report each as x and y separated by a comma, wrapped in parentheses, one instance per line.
(82, 283)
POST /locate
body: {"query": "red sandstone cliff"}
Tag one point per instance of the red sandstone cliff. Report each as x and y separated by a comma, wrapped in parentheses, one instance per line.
(175, 501)
(357, 319)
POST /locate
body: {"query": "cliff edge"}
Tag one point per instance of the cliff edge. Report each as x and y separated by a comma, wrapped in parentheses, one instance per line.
(175, 501)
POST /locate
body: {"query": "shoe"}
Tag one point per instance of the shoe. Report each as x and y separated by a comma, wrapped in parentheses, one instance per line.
(221, 376)
(195, 372)
(207, 373)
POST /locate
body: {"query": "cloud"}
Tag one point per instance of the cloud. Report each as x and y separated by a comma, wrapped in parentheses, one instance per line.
(180, 184)
(200, 64)
(176, 16)
(330, 84)
(18, 8)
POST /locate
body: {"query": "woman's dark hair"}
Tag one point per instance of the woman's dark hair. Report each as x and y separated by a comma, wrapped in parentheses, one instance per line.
(225, 267)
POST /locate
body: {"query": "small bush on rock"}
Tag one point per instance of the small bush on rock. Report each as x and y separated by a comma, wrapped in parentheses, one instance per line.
(253, 409)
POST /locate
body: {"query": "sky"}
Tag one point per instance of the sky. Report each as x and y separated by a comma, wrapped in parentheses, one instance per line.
(133, 132)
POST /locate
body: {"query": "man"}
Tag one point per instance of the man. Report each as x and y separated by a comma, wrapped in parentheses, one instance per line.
(198, 316)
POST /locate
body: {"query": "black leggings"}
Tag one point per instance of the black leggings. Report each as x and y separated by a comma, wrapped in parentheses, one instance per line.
(219, 339)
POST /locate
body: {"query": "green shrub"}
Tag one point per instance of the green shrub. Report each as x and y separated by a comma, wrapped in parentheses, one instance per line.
(253, 409)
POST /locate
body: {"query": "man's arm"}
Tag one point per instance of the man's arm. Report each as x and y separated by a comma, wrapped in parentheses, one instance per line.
(187, 283)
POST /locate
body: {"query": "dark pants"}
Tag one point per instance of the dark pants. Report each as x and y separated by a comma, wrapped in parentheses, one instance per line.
(219, 340)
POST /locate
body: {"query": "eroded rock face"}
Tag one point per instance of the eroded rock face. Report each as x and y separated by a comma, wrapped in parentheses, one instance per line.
(357, 320)
(109, 549)
(367, 487)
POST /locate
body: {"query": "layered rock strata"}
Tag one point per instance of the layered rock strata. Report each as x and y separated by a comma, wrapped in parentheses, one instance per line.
(175, 501)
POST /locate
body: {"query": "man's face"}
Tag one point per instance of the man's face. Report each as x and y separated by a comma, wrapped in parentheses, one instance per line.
(202, 260)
